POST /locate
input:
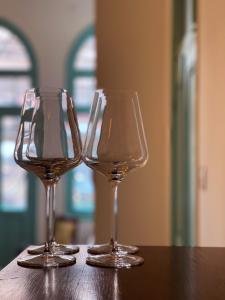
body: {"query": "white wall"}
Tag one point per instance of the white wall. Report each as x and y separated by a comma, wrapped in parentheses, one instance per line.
(134, 52)
(51, 26)
(211, 201)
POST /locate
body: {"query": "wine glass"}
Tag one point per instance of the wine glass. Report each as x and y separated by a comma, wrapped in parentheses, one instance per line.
(56, 247)
(48, 144)
(115, 145)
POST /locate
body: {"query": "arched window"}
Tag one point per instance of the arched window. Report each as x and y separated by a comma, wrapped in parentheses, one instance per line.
(81, 84)
(17, 73)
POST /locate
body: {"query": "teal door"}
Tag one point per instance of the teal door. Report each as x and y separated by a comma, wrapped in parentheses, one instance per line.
(17, 188)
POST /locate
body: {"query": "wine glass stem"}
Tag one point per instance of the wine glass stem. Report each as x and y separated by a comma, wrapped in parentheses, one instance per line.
(114, 237)
(50, 211)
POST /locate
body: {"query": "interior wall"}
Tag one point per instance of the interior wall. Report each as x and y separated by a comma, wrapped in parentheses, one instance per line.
(134, 52)
(211, 200)
(51, 27)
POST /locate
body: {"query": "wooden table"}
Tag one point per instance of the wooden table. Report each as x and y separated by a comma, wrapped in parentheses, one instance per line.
(168, 273)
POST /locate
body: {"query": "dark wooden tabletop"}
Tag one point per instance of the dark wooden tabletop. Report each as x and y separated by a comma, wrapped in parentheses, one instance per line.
(168, 273)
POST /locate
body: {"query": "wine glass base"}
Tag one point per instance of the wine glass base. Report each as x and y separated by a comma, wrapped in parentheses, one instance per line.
(56, 249)
(117, 261)
(46, 261)
(107, 249)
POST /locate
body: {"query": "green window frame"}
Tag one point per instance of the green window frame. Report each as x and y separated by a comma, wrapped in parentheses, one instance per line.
(71, 74)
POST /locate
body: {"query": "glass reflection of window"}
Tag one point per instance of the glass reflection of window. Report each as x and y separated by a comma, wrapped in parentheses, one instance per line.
(16, 75)
(82, 83)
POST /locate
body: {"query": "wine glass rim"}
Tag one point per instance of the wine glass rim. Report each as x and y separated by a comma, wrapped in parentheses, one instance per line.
(46, 90)
(116, 91)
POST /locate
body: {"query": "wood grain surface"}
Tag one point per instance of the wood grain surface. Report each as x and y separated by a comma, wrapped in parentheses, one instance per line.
(168, 273)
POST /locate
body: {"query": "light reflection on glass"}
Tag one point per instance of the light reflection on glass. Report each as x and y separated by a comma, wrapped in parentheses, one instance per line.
(115, 286)
(49, 282)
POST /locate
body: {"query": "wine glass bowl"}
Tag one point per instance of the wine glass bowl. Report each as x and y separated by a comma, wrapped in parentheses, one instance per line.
(48, 145)
(115, 145)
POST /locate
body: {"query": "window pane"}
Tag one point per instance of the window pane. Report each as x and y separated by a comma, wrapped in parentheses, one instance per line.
(86, 56)
(13, 54)
(12, 90)
(84, 88)
(83, 188)
(13, 178)
(83, 123)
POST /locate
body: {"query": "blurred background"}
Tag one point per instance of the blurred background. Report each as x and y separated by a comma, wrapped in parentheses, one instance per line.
(173, 53)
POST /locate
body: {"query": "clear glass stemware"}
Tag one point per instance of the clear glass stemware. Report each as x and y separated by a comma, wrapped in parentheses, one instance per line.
(48, 145)
(115, 145)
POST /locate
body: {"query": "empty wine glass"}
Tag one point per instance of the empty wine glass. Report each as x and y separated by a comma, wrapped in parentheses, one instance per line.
(48, 144)
(115, 145)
